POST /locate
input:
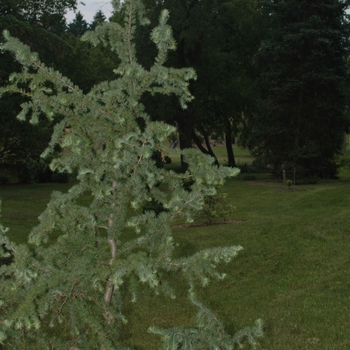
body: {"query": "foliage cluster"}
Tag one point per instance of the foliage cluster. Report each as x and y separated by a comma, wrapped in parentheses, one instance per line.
(216, 208)
(22, 143)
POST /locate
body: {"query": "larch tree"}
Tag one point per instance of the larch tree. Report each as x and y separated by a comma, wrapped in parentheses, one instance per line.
(65, 288)
(78, 26)
(303, 87)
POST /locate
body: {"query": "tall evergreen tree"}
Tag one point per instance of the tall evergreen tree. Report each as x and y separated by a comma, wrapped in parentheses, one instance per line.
(20, 142)
(77, 283)
(302, 86)
(78, 26)
(98, 19)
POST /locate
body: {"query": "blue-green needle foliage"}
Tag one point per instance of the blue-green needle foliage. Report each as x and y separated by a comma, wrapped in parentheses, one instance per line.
(67, 292)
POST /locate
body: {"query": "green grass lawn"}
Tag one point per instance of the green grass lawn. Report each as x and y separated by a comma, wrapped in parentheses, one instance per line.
(294, 272)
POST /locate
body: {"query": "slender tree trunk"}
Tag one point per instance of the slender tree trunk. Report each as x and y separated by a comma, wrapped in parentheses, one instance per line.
(199, 144)
(229, 140)
(298, 114)
(210, 150)
(185, 127)
(204, 150)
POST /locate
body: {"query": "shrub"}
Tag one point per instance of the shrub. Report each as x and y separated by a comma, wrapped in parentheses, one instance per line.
(4, 179)
(60, 177)
(216, 208)
(36, 170)
(24, 175)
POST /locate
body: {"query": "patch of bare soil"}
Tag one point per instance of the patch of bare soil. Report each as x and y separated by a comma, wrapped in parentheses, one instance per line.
(204, 224)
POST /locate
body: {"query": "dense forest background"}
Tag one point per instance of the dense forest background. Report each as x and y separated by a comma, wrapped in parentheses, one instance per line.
(272, 76)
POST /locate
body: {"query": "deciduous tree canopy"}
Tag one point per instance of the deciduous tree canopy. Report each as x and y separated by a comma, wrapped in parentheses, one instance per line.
(218, 39)
(69, 293)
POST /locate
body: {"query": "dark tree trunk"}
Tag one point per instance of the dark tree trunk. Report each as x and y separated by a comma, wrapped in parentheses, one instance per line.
(199, 144)
(229, 140)
(210, 150)
(207, 150)
(185, 127)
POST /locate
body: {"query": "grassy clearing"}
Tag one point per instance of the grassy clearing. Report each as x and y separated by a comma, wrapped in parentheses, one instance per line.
(293, 273)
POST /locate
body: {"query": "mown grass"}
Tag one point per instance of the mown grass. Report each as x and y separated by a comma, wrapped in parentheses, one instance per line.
(293, 272)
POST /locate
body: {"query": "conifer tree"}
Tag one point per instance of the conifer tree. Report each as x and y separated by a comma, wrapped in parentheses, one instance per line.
(65, 288)
(303, 87)
(78, 26)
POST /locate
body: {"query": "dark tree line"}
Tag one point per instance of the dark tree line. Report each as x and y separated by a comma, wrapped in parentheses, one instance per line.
(302, 86)
(271, 75)
(59, 46)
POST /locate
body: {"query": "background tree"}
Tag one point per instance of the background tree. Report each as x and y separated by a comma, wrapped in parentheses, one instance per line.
(22, 143)
(44, 13)
(78, 26)
(189, 20)
(35, 10)
(302, 114)
(99, 18)
(218, 39)
(77, 283)
(223, 91)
